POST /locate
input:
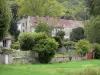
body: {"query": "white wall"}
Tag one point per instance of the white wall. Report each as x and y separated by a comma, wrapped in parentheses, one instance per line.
(1, 43)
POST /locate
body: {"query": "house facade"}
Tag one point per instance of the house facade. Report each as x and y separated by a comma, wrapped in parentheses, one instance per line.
(6, 42)
(29, 24)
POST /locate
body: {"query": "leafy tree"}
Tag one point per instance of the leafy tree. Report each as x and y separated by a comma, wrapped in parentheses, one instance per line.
(44, 27)
(82, 47)
(39, 8)
(46, 49)
(77, 34)
(27, 40)
(13, 27)
(5, 17)
(74, 9)
(60, 34)
(40, 43)
(96, 48)
(92, 30)
(94, 7)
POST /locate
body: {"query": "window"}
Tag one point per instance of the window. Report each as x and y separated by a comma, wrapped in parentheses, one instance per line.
(4, 43)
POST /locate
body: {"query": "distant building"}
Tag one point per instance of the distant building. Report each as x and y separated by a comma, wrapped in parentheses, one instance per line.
(29, 24)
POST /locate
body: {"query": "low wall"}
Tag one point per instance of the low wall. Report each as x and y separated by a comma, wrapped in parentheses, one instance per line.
(5, 59)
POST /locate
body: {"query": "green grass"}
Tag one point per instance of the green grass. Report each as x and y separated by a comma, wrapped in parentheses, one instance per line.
(68, 68)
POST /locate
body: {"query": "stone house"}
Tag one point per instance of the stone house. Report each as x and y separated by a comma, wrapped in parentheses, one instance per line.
(28, 24)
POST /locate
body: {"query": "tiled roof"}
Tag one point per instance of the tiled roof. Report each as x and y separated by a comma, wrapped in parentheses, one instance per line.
(58, 22)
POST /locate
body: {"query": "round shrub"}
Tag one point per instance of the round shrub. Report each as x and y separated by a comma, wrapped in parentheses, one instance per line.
(46, 49)
(27, 41)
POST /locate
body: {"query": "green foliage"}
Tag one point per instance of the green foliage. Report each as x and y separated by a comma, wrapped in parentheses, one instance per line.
(69, 44)
(5, 17)
(74, 9)
(77, 34)
(5, 51)
(44, 27)
(46, 49)
(96, 48)
(40, 43)
(60, 34)
(13, 27)
(92, 30)
(27, 41)
(40, 8)
(82, 47)
(58, 39)
(94, 7)
(15, 46)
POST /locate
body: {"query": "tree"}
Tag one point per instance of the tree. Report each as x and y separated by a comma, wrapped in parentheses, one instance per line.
(27, 40)
(44, 27)
(5, 17)
(60, 34)
(40, 43)
(96, 49)
(92, 30)
(94, 7)
(46, 49)
(77, 34)
(39, 8)
(13, 27)
(82, 47)
(74, 9)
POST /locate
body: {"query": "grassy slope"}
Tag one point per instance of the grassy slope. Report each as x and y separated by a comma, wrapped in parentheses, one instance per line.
(48, 69)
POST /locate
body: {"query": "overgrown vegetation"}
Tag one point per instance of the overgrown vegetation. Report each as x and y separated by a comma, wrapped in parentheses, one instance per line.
(40, 43)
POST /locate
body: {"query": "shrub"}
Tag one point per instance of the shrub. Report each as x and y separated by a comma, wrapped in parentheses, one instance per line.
(57, 38)
(82, 47)
(44, 27)
(46, 49)
(15, 46)
(60, 34)
(96, 48)
(5, 51)
(77, 34)
(69, 44)
(27, 41)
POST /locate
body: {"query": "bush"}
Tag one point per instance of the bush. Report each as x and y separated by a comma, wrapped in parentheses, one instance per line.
(57, 38)
(15, 46)
(46, 49)
(60, 34)
(96, 48)
(5, 51)
(44, 27)
(77, 34)
(69, 44)
(82, 47)
(27, 41)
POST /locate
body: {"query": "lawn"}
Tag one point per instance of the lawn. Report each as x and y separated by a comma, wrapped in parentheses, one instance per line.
(68, 68)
